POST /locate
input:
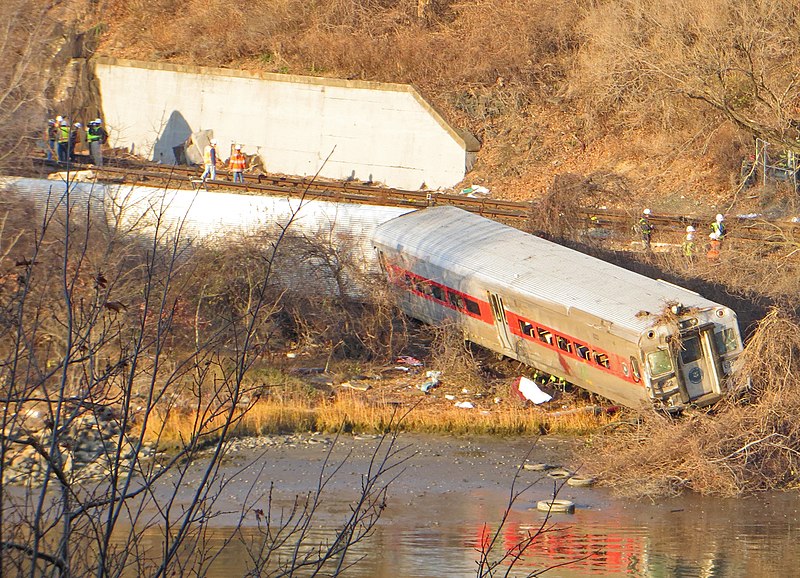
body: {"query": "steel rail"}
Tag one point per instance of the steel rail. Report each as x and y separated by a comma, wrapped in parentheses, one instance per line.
(129, 172)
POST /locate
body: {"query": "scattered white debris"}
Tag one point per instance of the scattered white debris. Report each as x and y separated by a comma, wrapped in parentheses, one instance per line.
(530, 391)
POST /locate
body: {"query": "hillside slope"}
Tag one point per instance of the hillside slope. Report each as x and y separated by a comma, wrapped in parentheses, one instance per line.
(666, 95)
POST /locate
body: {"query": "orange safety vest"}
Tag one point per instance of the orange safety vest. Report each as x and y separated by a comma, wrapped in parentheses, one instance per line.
(237, 162)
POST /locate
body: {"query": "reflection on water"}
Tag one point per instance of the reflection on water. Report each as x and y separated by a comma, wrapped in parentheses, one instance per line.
(441, 536)
(452, 495)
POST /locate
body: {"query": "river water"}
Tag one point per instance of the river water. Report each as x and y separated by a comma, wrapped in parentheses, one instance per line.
(451, 494)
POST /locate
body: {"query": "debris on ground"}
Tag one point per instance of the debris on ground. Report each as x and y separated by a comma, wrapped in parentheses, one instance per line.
(356, 386)
(410, 361)
(433, 381)
(464, 404)
(527, 389)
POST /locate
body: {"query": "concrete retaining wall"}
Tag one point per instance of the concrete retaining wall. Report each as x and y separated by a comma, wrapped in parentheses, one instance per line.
(377, 132)
(200, 217)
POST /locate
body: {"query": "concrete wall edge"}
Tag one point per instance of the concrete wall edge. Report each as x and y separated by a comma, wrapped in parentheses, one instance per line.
(463, 137)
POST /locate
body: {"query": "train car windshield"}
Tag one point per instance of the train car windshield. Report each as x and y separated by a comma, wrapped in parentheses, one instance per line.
(726, 340)
(691, 351)
(659, 362)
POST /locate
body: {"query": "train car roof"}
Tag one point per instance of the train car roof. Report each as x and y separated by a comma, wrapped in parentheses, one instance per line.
(471, 245)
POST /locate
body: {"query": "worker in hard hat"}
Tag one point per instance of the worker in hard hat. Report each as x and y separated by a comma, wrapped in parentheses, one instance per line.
(62, 146)
(50, 138)
(688, 243)
(718, 226)
(96, 136)
(713, 247)
(237, 164)
(210, 160)
(74, 140)
(645, 228)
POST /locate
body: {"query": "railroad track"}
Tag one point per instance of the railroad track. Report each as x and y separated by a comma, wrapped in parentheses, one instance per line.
(671, 226)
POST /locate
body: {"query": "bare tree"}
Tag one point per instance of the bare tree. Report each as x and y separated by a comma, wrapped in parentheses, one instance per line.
(95, 375)
(644, 58)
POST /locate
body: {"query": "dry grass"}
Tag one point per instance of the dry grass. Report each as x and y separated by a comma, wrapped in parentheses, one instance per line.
(353, 413)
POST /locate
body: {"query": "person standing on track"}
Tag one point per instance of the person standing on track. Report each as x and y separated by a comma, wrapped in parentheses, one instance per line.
(688, 244)
(210, 161)
(718, 227)
(713, 248)
(74, 140)
(96, 136)
(237, 164)
(645, 228)
(51, 138)
(62, 147)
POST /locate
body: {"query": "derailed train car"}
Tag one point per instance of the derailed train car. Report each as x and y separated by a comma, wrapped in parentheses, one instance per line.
(632, 339)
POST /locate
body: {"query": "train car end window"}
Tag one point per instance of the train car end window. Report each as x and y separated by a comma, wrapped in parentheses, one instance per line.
(545, 335)
(726, 340)
(659, 362)
(564, 344)
(472, 306)
(526, 328)
(582, 351)
(602, 359)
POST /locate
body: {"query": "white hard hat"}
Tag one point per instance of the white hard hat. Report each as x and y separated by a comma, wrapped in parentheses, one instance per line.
(713, 236)
(59, 118)
(79, 125)
(213, 141)
(238, 147)
(98, 121)
(646, 211)
(720, 218)
(690, 229)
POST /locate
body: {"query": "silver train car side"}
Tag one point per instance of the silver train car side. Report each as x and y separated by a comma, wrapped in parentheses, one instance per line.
(632, 339)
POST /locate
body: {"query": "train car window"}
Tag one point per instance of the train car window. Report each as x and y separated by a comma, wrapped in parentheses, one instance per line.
(455, 300)
(637, 375)
(545, 335)
(602, 359)
(472, 306)
(563, 343)
(423, 287)
(691, 350)
(582, 351)
(726, 340)
(659, 362)
(437, 292)
(526, 328)
(625, 370)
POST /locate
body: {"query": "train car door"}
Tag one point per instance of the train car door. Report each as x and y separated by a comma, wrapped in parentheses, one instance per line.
(697, 364)
(499, 314)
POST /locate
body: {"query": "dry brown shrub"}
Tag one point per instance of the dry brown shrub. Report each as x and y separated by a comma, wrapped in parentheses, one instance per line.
(562, 213)
(737, 449)
(451, 354)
